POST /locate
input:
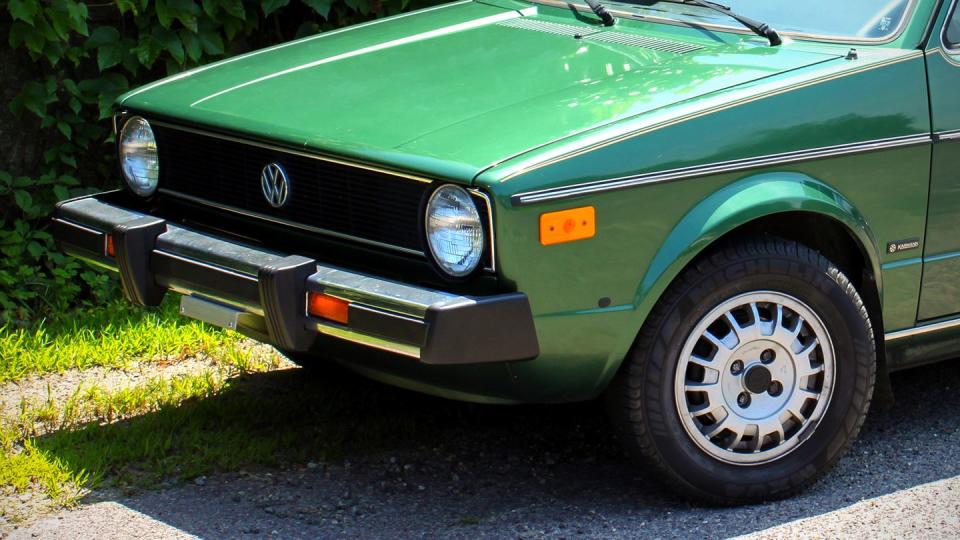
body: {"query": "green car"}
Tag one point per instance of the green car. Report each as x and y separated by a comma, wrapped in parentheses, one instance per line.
(731, 222)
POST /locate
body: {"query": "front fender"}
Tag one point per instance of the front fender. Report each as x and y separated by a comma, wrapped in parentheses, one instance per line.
(738, 204)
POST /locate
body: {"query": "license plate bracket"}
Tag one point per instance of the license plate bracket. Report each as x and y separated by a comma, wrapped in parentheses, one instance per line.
(209, 312)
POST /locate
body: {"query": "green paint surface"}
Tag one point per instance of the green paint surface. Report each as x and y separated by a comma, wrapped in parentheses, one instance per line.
(501, 95)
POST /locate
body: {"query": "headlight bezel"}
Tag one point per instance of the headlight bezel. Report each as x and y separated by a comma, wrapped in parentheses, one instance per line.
(139, 189)
(482, 218)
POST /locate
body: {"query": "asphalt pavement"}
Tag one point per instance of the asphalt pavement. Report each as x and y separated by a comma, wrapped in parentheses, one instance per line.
(553, 471)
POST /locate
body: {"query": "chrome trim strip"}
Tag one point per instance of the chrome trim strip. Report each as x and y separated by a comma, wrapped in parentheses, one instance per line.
(920, 330)
(319, 157)
(375, 292)
(256, 308)
(84, 228)
(943, 33)
(582, 8)
(612, 184)
(946, 55)
(493, 241)
(208, 266)
(947, 135)
(347, 334)
(287, 223)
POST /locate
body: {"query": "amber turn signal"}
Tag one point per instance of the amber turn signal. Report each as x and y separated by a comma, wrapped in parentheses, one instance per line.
(328, 307)
(568, 225)
(111, 251)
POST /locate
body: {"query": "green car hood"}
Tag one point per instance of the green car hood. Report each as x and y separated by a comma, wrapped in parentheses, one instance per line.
(450, 90)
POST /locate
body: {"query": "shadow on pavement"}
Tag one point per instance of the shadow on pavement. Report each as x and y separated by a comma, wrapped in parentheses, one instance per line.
(352, 457)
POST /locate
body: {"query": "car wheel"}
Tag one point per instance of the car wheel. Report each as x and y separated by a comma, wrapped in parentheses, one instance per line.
(751, 376)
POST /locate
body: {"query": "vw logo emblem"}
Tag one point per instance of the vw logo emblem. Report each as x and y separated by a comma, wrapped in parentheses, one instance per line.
(275, 184)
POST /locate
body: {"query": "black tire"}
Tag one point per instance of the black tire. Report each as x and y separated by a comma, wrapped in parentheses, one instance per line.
(641, 398)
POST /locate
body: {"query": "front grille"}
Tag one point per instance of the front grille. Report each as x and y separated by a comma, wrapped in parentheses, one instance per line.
(342, 200)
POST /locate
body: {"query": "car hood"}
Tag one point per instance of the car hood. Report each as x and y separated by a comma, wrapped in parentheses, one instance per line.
(450, 90)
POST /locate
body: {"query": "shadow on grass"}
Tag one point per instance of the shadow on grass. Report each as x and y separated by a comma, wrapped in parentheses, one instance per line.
(279, 418)
(480, 469)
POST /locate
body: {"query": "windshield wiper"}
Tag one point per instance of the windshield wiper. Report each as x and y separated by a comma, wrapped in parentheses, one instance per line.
(759, 28)
(601, 12)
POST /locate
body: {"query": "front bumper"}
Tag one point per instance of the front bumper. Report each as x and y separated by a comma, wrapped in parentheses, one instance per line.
(264, 294)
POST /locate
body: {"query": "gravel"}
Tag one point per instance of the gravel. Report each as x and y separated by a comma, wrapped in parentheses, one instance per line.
(554, 471)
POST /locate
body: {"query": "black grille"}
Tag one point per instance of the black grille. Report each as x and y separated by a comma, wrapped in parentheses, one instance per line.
(338, 198)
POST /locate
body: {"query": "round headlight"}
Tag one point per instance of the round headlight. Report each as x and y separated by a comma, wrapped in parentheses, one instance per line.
(138, 156)
(454, 230)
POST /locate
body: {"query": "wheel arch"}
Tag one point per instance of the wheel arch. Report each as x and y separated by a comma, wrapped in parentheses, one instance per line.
(791, 205)
(754, 205)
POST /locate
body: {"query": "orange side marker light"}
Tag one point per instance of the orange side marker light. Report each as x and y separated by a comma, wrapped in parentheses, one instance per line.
(111, 251)
(568, 225)
(328, 307)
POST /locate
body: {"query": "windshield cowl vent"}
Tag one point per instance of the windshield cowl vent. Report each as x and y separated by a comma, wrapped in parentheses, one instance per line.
(591, 34)
(548, 27)
(645, 42)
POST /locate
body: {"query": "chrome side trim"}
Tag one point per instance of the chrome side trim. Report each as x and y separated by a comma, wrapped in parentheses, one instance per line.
(493, 240)
(947, 135)
(920, 330)
(600, 186)
(293, 152)
(287, 223)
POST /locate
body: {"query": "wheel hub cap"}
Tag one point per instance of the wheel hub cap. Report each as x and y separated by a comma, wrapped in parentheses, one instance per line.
(756, 372)
(757, 379)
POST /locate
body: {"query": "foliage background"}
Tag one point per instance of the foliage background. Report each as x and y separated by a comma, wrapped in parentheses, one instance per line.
(62, 65)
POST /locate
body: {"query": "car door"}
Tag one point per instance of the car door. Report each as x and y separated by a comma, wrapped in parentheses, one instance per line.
(940, 292)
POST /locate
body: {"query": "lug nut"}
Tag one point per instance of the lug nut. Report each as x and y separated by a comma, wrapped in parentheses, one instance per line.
(768, 356)
(743, 400)
(736, 368)
(775, 389)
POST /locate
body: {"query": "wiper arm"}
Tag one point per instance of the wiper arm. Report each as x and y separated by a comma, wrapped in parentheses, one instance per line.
(601, 12)
(759, 28)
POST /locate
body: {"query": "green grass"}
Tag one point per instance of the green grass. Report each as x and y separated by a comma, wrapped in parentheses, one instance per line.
(27, 467)
(116, 335)
(53, 447)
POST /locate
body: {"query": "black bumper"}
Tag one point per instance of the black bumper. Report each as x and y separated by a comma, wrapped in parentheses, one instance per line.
(266, 292)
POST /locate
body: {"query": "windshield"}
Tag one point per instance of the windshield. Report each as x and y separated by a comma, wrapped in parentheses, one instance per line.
(843, 20)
